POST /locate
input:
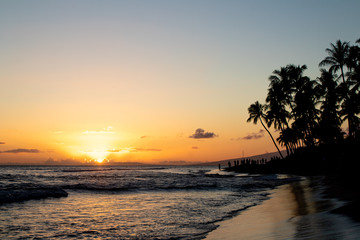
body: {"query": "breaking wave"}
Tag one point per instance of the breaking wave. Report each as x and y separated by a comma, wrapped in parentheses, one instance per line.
(20, 195)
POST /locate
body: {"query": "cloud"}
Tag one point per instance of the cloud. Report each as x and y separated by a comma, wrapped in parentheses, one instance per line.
(2, 142)
(108, 130)
(257, 135)
(22, 150)
(113, 150)
(180, 162)
(142, 137)
(145, 150)
(133, 149)
(194, 147)
(200, 133)
(97, 132)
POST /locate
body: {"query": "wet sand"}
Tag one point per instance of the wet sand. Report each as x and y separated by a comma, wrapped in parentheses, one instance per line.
(294, 211)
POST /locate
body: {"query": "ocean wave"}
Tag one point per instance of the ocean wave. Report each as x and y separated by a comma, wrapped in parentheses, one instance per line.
(134, 188)
(99, 188)
(20, 195)
(195, 186)
(88, 170)
(76, 170)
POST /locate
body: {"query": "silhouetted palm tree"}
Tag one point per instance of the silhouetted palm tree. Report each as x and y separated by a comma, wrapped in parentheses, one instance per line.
(353, 63)
(337, 58)
(296, 76)
(288, 137)
(305, 111)
(293, 100)
(351, 102)
(257, 112)
(349, 109)
(284, 83)
(277, 114)
(330, 122)
(282, 86)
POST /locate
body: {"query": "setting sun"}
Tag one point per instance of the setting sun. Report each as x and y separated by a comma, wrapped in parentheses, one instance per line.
(97, 155)
(94, 145)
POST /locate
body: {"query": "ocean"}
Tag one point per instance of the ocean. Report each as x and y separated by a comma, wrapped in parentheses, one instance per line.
(116, 202)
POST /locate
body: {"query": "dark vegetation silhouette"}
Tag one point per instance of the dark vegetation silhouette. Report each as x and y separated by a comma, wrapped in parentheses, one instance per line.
(257, 112)
(309, 114)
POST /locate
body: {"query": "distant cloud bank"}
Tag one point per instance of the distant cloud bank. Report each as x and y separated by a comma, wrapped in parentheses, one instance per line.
(21, 150)
(200, 133)
(134, 150)
(257, 135)
(146, 150)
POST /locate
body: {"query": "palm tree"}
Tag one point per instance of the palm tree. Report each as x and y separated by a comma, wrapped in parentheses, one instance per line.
(305, 111)
(353, 63)
(350, 108)
(277, 114)
(330, 121)
(288, 137)
(337, 58)
(281, 84)
(257, 112)
(285, 82)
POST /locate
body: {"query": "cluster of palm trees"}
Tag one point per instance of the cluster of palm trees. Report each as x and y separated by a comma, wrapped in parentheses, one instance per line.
(310, 112)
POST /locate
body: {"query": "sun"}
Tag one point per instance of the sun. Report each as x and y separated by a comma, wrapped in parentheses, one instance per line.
(97, 146)
(99, 160)
(98, 156)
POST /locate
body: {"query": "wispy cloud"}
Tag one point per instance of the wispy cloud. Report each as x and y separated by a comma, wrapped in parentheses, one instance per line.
(113, 150)
(97, 132)
(108, 130)
(194, 147)
(2, 142)
(133, 150)
(180, 162)
(145, 150)
(257, 135)
(200, 133)
(21, 150)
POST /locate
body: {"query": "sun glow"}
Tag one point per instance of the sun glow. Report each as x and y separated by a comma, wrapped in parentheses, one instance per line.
(98, 155)
(94, 145)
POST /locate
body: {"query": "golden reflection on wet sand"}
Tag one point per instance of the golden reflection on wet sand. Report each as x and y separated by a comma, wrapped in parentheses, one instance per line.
(294, 211)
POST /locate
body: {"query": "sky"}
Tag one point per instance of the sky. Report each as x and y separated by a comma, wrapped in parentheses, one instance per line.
(151, 81)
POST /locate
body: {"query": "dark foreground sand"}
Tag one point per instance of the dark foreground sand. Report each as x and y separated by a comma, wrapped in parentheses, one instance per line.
(294, 211)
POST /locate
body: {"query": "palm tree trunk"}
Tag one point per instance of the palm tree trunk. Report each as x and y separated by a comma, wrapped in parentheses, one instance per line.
(342, 74)
(272, 139)
(347, 98)
(287, 143)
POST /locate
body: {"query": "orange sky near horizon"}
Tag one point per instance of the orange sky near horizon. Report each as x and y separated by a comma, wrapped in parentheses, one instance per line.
(131, 81)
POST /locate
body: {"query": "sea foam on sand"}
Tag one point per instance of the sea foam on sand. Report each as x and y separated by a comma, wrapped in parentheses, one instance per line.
(294, 211)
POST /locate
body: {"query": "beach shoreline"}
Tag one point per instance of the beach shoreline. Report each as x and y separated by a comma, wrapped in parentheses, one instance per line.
(308, 209)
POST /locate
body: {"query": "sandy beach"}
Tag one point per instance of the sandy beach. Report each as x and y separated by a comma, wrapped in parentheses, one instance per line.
(294, 211)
